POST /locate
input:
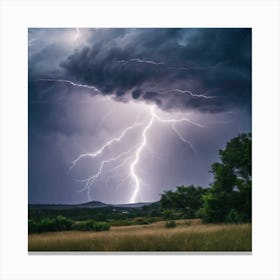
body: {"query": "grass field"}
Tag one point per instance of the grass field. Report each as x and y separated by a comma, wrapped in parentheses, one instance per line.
(187, 236)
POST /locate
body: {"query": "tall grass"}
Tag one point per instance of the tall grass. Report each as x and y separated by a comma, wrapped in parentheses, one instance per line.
(154, 237)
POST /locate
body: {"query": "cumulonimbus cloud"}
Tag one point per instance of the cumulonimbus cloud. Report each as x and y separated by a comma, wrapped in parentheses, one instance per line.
(218, 61)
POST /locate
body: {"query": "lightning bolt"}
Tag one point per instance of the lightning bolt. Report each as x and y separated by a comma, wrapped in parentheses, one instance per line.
(137, 157)
(184, 68)
(182, 138)
(140, 61)
(177, 120)
(107, 144)
(191, 94)
(188, 92)
(90, 180)
(91, 87)
(133, 165)
(133, 174)
(179, 68)
(132, 160)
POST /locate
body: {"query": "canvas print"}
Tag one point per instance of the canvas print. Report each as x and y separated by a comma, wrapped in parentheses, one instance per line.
(139, 139)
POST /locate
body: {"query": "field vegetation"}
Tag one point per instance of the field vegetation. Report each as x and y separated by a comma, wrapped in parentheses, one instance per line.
(187, 235)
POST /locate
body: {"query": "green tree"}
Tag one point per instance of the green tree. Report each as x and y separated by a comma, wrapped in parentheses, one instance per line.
(229, 197)
(187, 199)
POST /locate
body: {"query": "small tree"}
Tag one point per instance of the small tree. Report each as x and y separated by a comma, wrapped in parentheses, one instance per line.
(62, 223)
(168, 214)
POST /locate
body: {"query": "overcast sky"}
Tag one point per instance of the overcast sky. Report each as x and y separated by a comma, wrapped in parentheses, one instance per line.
(120, 115)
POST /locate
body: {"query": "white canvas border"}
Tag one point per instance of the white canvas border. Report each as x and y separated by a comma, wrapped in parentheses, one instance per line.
(17, 16)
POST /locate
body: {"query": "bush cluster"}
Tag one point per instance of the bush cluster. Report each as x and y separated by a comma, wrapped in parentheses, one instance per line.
(60, 223)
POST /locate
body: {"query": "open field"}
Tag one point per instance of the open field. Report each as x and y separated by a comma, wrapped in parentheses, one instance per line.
(187, 236)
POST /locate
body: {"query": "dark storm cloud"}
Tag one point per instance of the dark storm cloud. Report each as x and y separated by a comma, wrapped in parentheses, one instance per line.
(150, 65)
(147, 63)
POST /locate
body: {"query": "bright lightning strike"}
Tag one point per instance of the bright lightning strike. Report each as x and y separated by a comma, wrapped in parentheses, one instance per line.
(136, 158)
(144, 142)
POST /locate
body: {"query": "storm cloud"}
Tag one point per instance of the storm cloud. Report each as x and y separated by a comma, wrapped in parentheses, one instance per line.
(85, 86)
(148, 64)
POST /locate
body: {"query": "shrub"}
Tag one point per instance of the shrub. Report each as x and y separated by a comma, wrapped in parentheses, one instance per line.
(62, 223)
(58, 223)
(84, 225)
(168, 214)
(102, 226)
(46, 224)
(170, 224)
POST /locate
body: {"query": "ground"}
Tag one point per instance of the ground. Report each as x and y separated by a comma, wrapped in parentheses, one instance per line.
(188, 235)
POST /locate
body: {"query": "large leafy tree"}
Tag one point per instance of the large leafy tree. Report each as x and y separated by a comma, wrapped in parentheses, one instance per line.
(229, 196)
(186, 199)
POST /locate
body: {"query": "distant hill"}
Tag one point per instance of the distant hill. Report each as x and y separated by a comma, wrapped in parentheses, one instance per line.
(96, 210)
(133, 205)
(91, 204)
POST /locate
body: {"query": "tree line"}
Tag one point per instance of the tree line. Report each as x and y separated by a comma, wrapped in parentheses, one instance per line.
(229, 196)
(61, 223)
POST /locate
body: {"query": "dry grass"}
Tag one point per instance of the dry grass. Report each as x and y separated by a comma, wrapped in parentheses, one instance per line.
(186, 236)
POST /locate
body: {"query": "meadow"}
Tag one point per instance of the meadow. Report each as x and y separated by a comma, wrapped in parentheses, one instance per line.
(188, 235)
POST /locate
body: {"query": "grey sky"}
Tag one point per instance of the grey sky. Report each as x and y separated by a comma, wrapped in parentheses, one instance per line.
(200, 75)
